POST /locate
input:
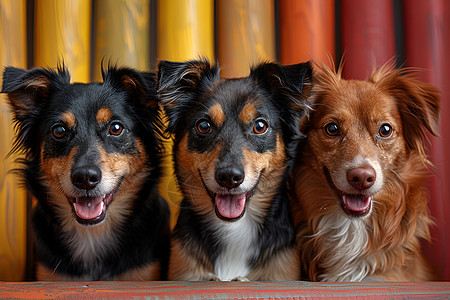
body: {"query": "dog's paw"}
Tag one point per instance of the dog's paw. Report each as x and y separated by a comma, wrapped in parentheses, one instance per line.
(212, 277)
(239, 278)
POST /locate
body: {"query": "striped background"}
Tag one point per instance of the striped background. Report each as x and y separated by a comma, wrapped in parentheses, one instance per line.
(236, 33)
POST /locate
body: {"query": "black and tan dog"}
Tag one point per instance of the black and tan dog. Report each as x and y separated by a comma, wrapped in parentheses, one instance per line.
(92, 162)
(233, 149)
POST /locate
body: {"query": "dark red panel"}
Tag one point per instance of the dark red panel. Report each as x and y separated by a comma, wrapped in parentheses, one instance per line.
(368, 38)
(427, 47)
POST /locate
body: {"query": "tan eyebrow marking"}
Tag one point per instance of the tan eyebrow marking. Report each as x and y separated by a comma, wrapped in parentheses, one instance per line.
(216, 114)
(248, 113)
(69, 119)
(103, 115)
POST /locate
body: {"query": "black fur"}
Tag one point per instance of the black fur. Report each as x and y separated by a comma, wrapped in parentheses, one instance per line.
(187, 91)
(38, 98)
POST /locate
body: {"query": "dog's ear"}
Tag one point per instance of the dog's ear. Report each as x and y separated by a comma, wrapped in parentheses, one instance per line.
(288, 86)
(291, 81)
(141, 86)
(30, 89)
(28, 92)
(418, 103)
(179, 83)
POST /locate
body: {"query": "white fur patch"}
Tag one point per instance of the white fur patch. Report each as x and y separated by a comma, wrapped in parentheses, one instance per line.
(344, 241)
(238, 239)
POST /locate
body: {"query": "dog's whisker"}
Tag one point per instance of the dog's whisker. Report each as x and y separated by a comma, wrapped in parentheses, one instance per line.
(395, 173)
(57, 265)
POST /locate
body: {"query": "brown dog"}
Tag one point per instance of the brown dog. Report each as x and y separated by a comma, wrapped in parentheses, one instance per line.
(359, 204)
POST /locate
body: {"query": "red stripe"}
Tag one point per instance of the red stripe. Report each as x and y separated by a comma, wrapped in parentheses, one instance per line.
(368, 39)
(427, 46)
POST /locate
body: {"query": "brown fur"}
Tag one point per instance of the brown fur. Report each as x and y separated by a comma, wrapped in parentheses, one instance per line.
(182, 264)
(248, 113)
(69, 119)
(217, 115)
(191, 182)
(399, 219)
(103, 115)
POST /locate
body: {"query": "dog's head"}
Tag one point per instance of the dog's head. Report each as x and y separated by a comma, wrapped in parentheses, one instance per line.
(361, 133)
(88, 146)
(235, 137)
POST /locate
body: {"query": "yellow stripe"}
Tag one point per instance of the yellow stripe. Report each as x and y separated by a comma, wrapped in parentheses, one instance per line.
(12, 195)
(122, 34)
(63, 31)
(185, 29)
(246, 34)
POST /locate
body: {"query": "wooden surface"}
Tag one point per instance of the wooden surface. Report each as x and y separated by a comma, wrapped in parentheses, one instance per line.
(221, 290)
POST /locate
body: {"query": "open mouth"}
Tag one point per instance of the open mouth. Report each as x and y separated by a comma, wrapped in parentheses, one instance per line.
(356, 205)
(231, 207)
(91, 210)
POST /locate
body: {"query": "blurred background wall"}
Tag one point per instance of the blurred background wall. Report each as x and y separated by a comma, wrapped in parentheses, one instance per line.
(236, 33)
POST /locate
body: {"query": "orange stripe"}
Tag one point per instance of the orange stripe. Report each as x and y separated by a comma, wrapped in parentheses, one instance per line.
(306, 30)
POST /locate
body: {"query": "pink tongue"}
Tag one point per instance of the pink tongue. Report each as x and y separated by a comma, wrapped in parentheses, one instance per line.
(89, 208)
(230, 206)
(357, 203)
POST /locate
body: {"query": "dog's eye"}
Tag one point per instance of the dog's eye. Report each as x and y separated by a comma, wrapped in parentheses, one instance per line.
(260, 127)
(59, 131)
(385, 131)
(115, 128)
(203, 126)
(332, 129)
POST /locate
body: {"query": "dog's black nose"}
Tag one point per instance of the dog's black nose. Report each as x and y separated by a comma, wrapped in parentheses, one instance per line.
(87, 177)
(362, 178)
(230, 177)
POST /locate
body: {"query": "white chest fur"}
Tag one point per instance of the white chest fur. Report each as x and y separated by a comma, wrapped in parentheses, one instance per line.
(238, 240)
(344, 241)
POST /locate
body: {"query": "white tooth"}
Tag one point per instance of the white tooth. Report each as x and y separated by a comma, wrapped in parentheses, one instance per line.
(89, 204)
(101, 210)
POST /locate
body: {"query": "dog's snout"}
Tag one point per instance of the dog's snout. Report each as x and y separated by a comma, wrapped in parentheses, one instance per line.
(87, 177)
(230, 177)
(362, 178)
